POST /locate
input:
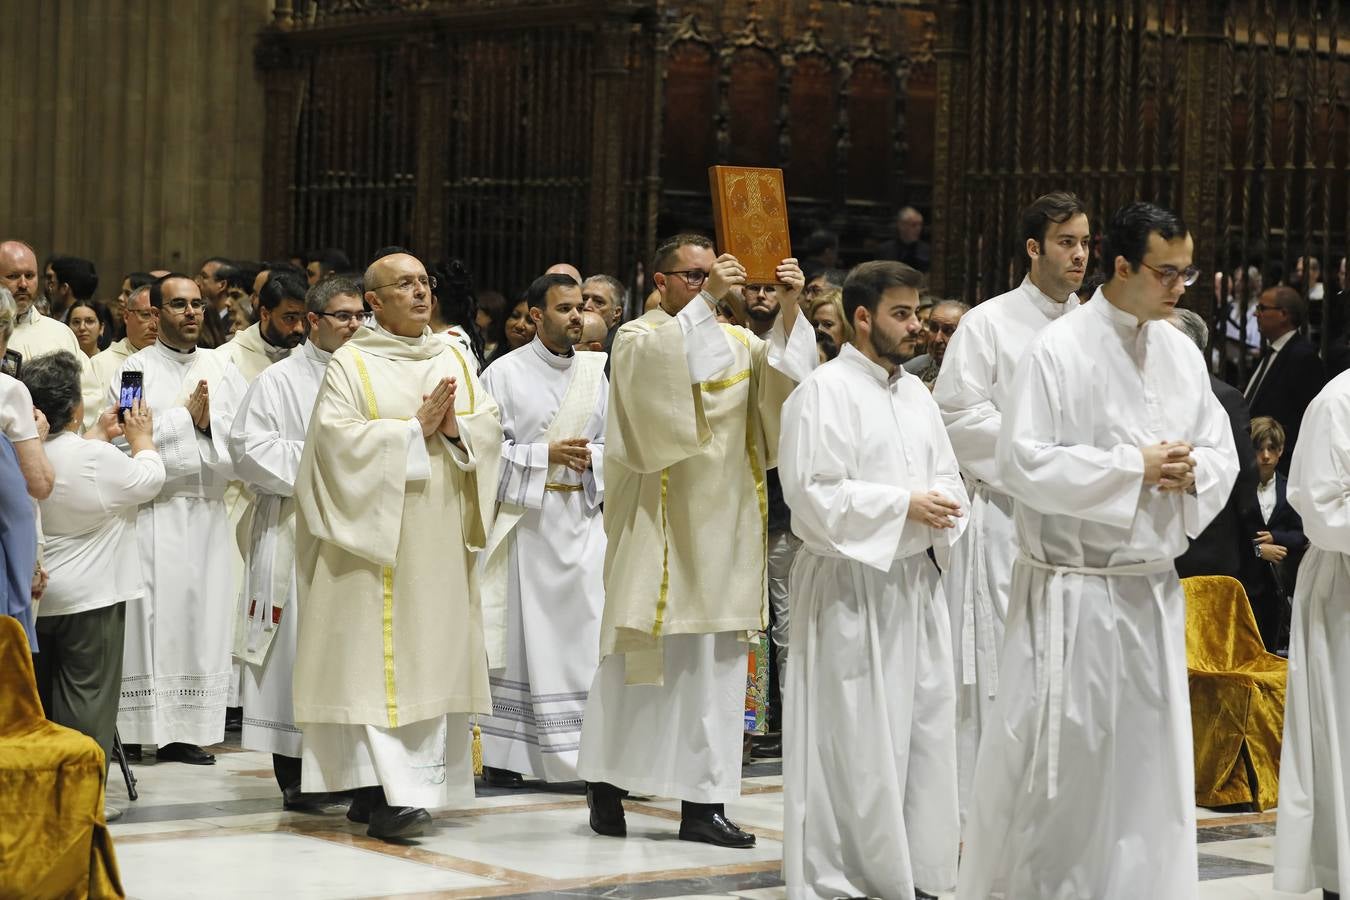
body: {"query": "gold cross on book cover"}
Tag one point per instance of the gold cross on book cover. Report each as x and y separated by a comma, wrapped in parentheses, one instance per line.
(750, 212)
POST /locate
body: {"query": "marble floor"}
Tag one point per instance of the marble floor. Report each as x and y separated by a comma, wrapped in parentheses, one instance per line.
(207, 832)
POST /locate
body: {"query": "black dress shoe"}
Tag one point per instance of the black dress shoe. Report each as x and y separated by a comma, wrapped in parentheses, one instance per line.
(295, 800)
(606, 805)
(131, 752)
(715, 829)
(185, 753)
(502, 778)
(1330, 895)
(395, 822)
(359, 811)
(234, 718)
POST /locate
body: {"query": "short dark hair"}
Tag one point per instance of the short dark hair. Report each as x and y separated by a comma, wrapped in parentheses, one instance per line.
(54, 381)
(1127, 233)
(318, 297)
(330, 259)
(666, 250)
(537, 293)
(826, 343)
(157, 287)
(819, 241)
(867, 282)
(239, 275)
(1056, 207)
(139, 279)
(1291, 301)
(279, 287)
(215, 259)
(77, 272)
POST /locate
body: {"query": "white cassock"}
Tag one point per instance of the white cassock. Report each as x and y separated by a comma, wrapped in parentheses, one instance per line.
(266, 441)
(869, 762)
(1084, 786)
(1312, 833)
(552, 592)
(176, 662)
(252, 355)
(972, 390)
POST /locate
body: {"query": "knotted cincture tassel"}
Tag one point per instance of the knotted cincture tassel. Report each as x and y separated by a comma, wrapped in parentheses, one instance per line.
(477, 748)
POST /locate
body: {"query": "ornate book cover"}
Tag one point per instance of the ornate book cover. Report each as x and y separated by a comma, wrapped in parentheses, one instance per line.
(750, 212)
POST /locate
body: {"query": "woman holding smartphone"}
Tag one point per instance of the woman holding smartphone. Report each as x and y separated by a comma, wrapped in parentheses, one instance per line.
(92, 559)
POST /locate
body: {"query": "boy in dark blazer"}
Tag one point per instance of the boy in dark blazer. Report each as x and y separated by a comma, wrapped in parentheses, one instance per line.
(1280, 545)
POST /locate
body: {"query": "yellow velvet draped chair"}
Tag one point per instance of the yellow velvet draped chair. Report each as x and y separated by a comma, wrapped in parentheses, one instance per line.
(54, 841)
(1237, 697)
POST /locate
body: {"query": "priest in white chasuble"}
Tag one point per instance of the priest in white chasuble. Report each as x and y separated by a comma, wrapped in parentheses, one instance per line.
(142, 321)
(973, 389)
(1116, 453)
(1312, 833)
(176, 660)
(266, 442)
(869, 756)
(543, 573)
(395, 491)
(692, 427)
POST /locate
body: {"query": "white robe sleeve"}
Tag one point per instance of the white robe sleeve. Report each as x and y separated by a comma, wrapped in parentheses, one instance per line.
(1040, 468)
(419, 462)
(593, 479)
(524, 469)
(225, 396)
(965, 393)
(705, 345)
(263, 459)
(794, 355)
(1319, 476)
(1216, 465)
(947, 481)
(176, 437)
(859, 519)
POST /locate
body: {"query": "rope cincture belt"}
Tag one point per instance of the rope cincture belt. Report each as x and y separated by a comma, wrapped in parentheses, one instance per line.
(1050, 687)
(977, 606)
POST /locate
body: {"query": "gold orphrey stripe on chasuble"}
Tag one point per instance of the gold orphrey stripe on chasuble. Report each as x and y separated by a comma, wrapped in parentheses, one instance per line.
(386, 573)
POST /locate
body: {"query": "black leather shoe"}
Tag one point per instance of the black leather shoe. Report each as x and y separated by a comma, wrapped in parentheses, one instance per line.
(715, 829)
(502, 778)
(234, 718)
(1330, 895)
(185, 753)
(395, 822)
(131, 752)
(606, 805)
(295, 800)
(359, 811)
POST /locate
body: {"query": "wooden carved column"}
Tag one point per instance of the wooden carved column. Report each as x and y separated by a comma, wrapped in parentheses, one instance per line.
(1202, 161)
(949, 149)
(429, 237)
(608, 87)
(284, 75)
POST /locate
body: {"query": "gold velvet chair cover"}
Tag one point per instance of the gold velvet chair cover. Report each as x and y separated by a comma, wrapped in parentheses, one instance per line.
(1237, 697)
(54, 841)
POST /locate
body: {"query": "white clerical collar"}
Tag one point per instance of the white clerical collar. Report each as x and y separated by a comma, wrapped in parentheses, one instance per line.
(854, 357)
(1045, 303)
(553, 359)
(174, 352)
(316, 353)
(1117, 315)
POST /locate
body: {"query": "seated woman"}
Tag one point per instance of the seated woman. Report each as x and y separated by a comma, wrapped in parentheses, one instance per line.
(1279, 547)
(92, 559)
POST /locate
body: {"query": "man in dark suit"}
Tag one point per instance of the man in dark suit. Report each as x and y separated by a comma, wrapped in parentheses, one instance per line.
(1290, 372)
(1225, 547)
(1279, 539)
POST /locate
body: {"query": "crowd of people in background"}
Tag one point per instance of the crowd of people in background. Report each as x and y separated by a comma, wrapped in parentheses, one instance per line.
(837, 461)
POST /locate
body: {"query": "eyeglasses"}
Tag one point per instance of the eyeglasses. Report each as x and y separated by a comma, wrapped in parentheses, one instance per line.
(407, 283)
(939, 328)
(346, 318)
(692, 277)
(1168, 275)
(758, 289)
(181, 305)
(145, 315)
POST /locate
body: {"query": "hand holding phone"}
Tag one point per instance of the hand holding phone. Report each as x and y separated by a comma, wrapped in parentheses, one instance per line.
(132, 389)
(138, 427)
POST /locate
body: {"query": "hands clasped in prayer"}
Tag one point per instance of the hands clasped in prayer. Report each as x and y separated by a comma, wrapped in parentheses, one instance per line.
(199, 406)
(570, 452)
(1169, 465)
(437, 412)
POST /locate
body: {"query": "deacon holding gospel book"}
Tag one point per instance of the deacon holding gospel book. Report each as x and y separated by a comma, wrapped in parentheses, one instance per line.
(692, 427)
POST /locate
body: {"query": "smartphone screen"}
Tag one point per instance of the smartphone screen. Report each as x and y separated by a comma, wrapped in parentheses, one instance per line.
(130, 392)
(12, 362)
